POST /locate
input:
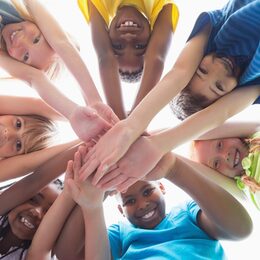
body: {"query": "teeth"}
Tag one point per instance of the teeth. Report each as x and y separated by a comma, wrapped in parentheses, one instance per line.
(128, 24)
(148, 215)
(13, 34)
(27, 223)
(237, 157)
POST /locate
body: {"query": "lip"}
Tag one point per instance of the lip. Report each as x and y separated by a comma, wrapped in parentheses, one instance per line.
(147, 215)
(27, 222)
(128, 25)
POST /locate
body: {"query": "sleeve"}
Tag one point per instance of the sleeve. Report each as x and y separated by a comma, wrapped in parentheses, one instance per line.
(114, 240)
(193, 210)
(8, 14)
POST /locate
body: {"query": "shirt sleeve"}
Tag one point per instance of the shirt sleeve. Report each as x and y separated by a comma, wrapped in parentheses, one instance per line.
(114, 240)
(193, 209)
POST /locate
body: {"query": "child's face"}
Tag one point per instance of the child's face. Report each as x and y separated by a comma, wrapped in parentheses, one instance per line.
(129, 33)
(223, 155)
(25, 218)
(11, 135)
(25, 42)
(143, 204)
(214, 77)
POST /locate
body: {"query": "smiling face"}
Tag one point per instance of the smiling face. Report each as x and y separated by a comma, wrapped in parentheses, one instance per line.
(25, 42)
(214, 77)
(25, 219)
(143, 204)
(129, 33)
(223, 155)
(12, 130)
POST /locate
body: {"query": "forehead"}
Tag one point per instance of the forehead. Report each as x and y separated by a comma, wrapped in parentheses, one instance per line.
(138, 187)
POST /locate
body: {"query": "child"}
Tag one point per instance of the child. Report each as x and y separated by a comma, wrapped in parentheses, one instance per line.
(131, 39)
(18, 226)
(231, 56)
(188, 232)
(87, 122)
(224, 148)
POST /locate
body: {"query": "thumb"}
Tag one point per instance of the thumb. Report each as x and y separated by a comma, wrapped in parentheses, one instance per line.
(89, 112)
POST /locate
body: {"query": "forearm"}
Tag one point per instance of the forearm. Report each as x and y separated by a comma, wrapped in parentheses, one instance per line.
(208, 118)
(33, 183)
(59, 41)
(96, 238)
(153, 68)
(50, 227)
(231, 224)
(20, 165)
(108, 68)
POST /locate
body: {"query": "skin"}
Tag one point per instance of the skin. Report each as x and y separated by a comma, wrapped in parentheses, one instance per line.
(223, 155)
(12, 128)
(129, 42)
(141, 199)
(33, 210)
(214, 77)
(25, 42)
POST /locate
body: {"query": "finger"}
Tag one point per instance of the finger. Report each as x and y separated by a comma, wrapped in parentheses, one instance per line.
(83, 151)
(101, 171)
(69, 170)
(90, 112)
(89, 170)
(90, 153)
(76, 165)
(108, 177)
(125, 185)
(115, 182)
(87, 163)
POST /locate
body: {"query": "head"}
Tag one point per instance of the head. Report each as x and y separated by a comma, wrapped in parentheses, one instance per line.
(143, 204)
(223, 155)
(129, 33)
(26, 218)
(215, 77)
(24, 134)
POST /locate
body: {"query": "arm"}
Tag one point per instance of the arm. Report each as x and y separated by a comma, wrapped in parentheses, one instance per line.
(59, 41)
(156, 53)
(20, 165)
(108, 65)
(232, 129)
(235, 224)
(31, 184)
(27, 105)
(51, 224)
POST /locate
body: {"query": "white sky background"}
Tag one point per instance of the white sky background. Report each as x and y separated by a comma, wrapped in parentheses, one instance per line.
(68, 14)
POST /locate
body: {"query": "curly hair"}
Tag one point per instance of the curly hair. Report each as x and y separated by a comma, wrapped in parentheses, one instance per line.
(186, 103)
(131, 77)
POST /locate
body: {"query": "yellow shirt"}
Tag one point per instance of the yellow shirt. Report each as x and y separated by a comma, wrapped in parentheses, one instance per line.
(150, 8)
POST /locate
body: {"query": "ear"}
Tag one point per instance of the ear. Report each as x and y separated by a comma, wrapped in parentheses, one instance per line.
(121, 210)
(162, 188)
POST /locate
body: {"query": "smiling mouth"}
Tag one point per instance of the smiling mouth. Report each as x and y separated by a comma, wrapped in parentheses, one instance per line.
(236, 158)
(148, 215)
(27, 223)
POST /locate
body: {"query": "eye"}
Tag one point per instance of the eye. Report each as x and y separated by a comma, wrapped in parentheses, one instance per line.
(216, 164)
(148, 192)
(140, 46)
(129, 202)
(18, 145)
(117, 46)
(219, 86)
(219, 145)
(18, 124)
(36, 40)
(34, 200)
(26, 57)
(202, 70)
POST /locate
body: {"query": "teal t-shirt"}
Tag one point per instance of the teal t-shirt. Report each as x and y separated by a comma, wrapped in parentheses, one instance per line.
(176, 237)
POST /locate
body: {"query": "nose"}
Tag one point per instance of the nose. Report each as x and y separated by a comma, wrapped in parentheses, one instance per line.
(9, 134)
(128, 36)
(143, 204)
(37, 212)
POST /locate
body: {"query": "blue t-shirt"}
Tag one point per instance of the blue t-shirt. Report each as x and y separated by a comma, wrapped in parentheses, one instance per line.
(176, 237)
(8, 14)
(235, 32)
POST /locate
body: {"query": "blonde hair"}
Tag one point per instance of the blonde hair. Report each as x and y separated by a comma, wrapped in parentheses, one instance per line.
(39, 132)
(253, 142)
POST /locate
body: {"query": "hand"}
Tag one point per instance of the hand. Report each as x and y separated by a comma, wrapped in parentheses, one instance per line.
(163, 168)
(106, 113)
(87, 124)
(108, 150)
(140, 159)
(82, 192)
